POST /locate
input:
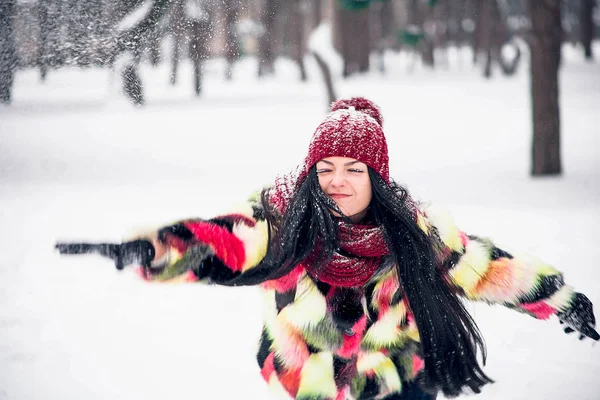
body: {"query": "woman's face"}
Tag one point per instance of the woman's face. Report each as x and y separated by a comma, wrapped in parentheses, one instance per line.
(346, 181)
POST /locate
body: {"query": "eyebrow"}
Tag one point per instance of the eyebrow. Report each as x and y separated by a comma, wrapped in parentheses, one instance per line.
(346, 164)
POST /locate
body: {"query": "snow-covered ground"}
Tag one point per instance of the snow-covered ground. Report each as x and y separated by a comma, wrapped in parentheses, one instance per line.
(78, 162)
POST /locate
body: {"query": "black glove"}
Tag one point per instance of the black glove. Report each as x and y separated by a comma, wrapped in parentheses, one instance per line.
(136, 252)
(580, 317)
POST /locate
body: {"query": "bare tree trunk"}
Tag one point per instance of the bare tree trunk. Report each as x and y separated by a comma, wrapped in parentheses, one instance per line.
(94, 26)
(104, 32)
(295, 29)
(317, 12)
(441, 35)
(154, 48)
(200, 32)
(266, 47)
(427, 46)
(382, 29)
(352, 38)
(177, 22)
(51, 53)
(471, 11)
(586, 26)
(326, 72)
(232, 14)
(491, 34)
(44, 18)
(8, 56)
(484, 30)
(417, 18)
(545, 43)
(80, 22)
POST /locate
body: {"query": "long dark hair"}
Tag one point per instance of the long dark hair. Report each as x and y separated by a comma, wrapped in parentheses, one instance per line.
(450, 339)
(449, 335)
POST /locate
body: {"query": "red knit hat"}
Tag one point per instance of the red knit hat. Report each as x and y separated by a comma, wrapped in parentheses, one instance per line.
(352, 129)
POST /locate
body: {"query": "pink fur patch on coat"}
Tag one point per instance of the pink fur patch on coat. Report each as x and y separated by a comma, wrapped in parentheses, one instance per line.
(540, 309)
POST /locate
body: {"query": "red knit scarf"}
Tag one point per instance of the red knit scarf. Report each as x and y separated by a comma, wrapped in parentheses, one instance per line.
(361, 247)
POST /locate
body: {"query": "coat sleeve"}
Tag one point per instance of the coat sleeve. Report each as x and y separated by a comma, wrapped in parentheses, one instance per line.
(481, 271)
(215, 250)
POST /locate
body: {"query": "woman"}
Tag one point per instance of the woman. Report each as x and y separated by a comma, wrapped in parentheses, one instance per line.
(363, 286)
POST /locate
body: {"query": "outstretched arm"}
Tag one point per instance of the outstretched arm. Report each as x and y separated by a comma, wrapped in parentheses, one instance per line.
(215, 250)
(482, 271)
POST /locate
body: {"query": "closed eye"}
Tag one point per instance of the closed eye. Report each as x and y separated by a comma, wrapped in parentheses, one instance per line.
(356, 170)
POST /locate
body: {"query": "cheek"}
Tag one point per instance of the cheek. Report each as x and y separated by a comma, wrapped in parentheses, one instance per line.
(323, 182)
(367, 194)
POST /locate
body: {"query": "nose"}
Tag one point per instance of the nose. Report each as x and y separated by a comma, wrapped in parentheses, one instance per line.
(339, 178)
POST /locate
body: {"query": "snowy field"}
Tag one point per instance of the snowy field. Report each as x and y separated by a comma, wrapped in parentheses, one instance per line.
(78, 162)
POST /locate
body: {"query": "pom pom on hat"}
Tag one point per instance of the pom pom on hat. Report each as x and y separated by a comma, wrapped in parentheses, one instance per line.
(359, 104)
(352, 129)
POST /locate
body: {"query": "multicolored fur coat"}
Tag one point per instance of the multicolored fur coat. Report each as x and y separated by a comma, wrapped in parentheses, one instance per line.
(312, 347)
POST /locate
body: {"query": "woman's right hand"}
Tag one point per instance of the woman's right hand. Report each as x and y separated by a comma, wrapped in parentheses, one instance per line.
(141, 252)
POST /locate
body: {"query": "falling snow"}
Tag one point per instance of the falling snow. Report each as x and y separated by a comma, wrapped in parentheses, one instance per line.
(77, 161)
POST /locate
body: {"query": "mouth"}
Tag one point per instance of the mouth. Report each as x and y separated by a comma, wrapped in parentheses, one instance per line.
(338, 196)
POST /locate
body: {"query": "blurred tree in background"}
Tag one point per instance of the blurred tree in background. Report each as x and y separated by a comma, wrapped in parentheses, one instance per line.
(545, 42)
(8, 56)
(491, 35)
(269, 39)
(123, 34)
(586, 26)
(51, 34)
(351, 37)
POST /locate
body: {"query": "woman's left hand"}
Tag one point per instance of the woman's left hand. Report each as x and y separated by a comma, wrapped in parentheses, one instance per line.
(580, 318)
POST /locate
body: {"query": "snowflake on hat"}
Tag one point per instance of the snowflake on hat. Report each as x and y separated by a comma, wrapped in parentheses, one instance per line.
(352, 129)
